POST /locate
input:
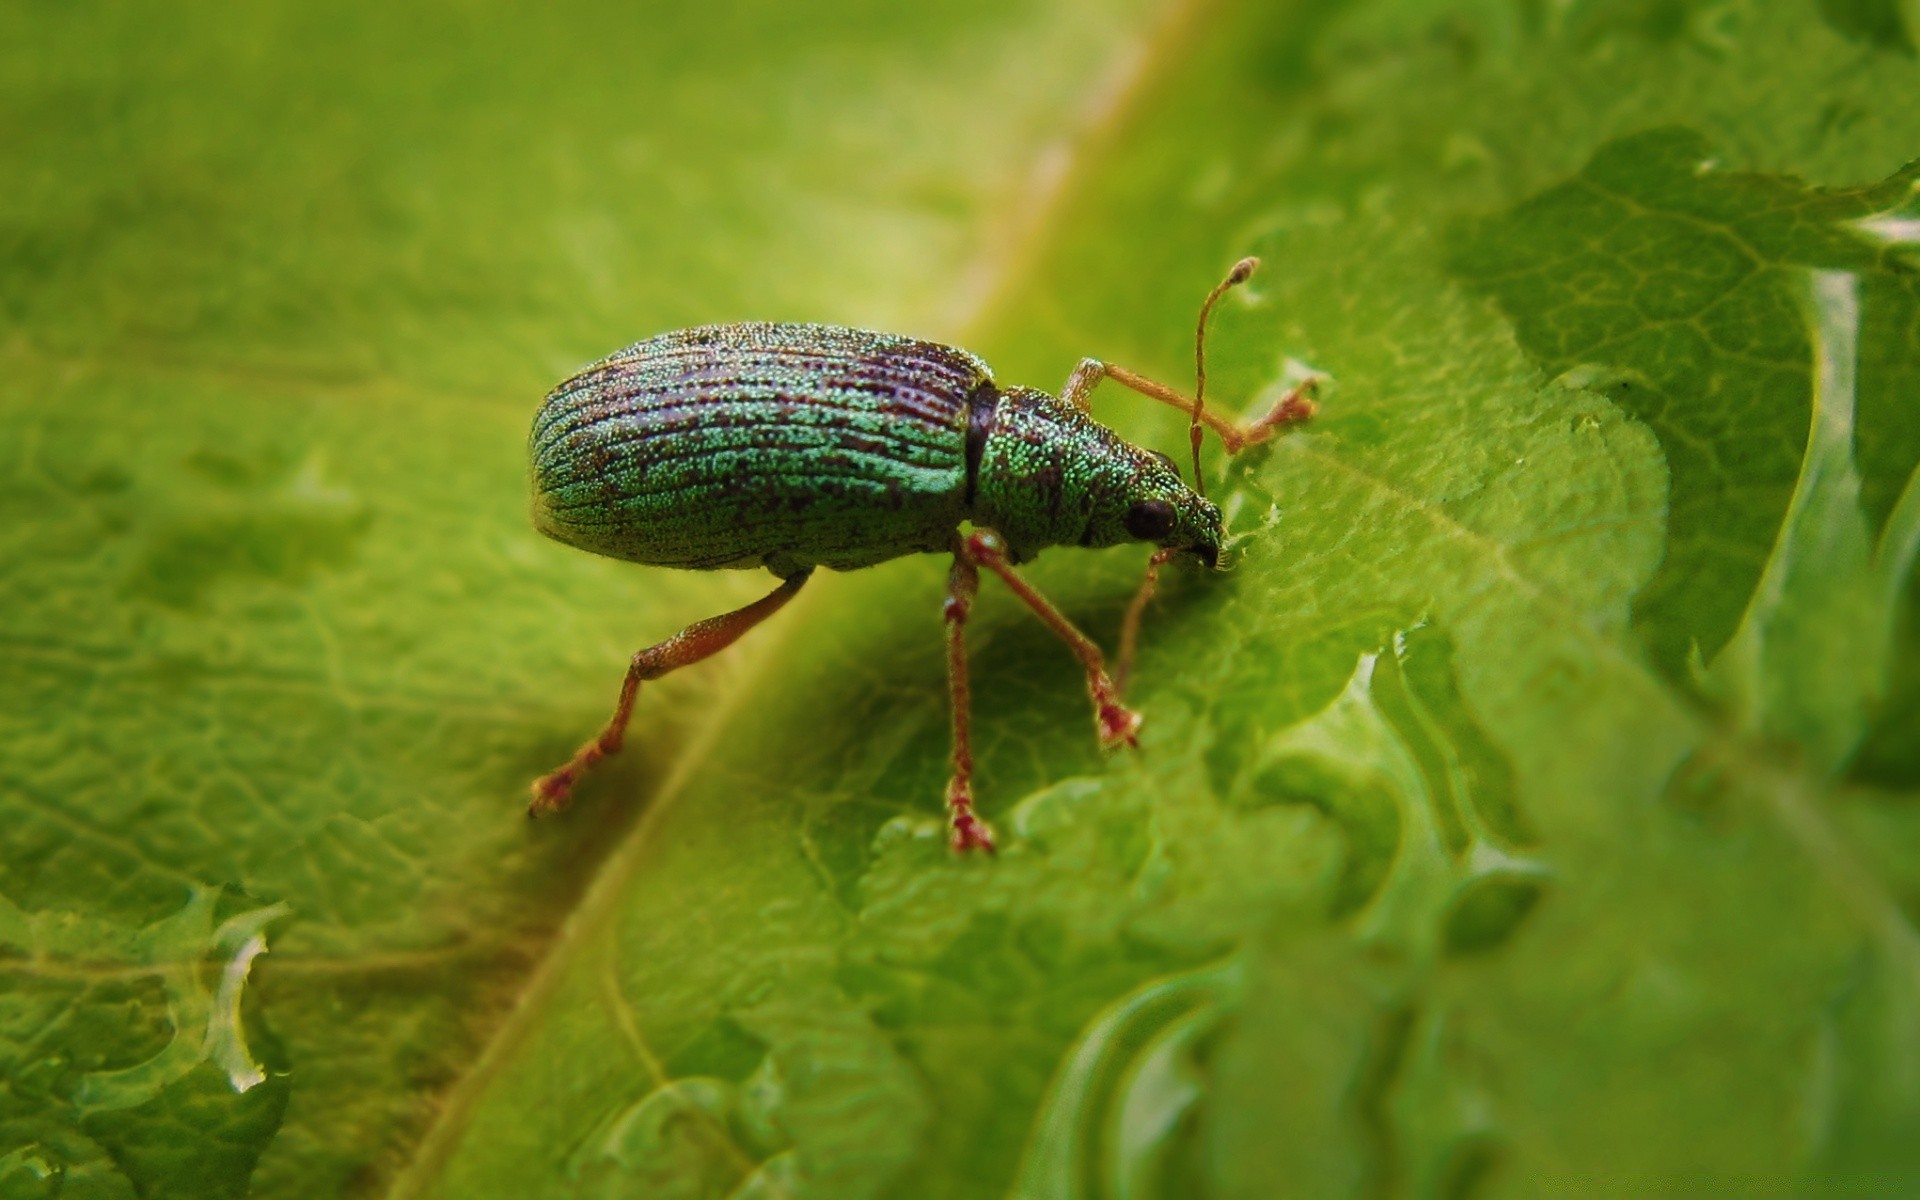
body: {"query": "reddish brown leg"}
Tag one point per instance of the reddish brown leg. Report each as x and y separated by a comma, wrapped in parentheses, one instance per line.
(1296, 406)
(1130, 627)
(690, 645)
(963, 583)
(1114, 721)
(1291, 409)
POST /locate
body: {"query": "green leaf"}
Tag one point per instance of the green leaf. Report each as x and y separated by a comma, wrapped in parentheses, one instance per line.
(1696, 301)
(1532, 807)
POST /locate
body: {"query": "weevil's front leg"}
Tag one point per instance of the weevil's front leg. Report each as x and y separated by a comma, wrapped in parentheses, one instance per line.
(690, 645)
(963, 583)
(1297, 406)
(1115, 722)
(1130, 627)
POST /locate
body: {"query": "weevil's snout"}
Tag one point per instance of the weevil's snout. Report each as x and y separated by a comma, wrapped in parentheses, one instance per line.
(1206, 547)
(1152, 504)
(1178, 518)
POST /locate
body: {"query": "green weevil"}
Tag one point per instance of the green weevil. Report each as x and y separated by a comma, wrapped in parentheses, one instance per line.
(793, 446)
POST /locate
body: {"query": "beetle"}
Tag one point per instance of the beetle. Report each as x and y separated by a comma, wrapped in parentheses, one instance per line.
(795, 446)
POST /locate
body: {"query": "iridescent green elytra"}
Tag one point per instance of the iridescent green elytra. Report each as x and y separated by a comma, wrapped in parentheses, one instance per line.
(791, 446)
(796, 446)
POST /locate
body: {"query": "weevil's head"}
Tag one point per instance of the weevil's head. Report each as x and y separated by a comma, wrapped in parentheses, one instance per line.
(1163, 510)
(1050, 475)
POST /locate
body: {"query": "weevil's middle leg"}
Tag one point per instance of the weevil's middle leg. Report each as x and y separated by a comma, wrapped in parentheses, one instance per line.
(1115, 721)
(697, 641)
(963, 584)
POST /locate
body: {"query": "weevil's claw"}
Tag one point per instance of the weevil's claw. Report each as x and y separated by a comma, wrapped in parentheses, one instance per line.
(1296, 409)
(970, 833)
(1118, 725)
(552, 792)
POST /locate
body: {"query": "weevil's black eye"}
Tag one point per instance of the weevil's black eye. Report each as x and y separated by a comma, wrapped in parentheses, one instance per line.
(1149, 520)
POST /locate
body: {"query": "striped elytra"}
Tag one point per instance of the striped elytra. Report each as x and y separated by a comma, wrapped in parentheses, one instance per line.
(797, 446)
(783, 445)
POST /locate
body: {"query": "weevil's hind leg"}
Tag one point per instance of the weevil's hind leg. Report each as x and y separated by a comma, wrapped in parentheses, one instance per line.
(697, 641)
(963, 583)
(1116, 723)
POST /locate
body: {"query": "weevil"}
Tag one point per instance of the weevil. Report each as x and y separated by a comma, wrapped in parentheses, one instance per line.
(793, 446)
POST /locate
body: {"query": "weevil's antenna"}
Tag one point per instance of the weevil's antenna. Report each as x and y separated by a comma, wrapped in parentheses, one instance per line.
(1242, 270)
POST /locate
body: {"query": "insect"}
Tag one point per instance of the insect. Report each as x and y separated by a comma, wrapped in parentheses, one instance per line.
(791, 447)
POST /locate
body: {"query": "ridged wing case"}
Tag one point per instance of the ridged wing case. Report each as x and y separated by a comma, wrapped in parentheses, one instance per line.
(783, 445)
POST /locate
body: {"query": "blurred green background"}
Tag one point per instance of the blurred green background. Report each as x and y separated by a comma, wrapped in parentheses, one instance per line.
(1536, 807)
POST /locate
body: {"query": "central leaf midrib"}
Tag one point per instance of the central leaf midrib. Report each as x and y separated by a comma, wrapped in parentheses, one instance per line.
(597, 906)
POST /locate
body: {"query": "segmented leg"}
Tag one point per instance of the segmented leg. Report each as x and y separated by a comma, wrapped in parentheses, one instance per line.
(1114, 722)
(1130, 627)
(963, 583)
(1296, 406)
(690, 645)
(1291, 409)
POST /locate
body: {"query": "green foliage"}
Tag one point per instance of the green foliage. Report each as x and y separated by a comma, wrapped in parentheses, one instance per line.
(1537, 803)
